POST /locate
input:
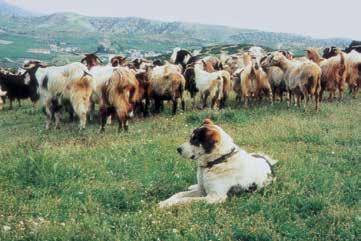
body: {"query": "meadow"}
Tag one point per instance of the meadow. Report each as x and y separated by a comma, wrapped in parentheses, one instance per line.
(71, 185)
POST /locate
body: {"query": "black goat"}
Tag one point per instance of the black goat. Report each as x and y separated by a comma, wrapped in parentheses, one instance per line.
(20, 86)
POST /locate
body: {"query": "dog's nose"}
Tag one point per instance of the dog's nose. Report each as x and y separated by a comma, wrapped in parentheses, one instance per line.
(179, 150)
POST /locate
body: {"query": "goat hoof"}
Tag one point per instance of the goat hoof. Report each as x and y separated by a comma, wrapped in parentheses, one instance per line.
(101, 131)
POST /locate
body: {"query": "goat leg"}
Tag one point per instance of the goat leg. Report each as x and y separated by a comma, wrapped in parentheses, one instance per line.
(103, 118)
(317, 100)
(57, 119)
(175, 106)
(92, 110)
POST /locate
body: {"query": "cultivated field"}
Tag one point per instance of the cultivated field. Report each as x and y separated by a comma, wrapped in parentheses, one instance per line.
(71, 185)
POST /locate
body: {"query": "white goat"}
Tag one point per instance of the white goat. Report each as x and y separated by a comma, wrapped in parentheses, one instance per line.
(100, 74)
(70, 82)
(208, 84)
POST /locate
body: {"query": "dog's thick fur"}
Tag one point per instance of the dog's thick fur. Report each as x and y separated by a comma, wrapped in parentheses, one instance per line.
(223, 167)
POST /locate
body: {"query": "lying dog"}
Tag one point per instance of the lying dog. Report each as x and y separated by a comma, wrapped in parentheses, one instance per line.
(223, 168)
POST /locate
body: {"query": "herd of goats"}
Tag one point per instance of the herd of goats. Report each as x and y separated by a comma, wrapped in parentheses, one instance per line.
(126, 87)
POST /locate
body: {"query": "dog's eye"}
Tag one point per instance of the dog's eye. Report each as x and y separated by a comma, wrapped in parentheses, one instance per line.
(194, 140)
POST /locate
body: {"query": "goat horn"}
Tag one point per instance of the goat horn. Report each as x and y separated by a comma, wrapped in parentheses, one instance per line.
(99, 59)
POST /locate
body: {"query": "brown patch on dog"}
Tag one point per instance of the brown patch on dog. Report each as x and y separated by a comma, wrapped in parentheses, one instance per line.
(207, 137)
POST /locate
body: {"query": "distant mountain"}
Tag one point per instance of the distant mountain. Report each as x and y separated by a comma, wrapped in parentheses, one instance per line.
(9, 9)
(62, 33)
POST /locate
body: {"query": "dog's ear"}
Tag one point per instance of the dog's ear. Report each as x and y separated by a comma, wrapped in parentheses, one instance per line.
(206, 137)
(208, 122)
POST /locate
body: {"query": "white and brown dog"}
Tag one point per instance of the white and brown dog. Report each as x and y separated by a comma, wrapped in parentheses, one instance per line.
(223, 167)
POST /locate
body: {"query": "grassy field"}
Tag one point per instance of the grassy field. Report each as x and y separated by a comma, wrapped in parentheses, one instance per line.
(71, 185)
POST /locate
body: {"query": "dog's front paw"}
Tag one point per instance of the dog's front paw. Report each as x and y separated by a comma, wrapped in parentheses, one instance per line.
(193, 187)
(164, 204)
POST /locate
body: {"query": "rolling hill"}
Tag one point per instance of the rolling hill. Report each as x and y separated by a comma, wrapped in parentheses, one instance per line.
(49, 36)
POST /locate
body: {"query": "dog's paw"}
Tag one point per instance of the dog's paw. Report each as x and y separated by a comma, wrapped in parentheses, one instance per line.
(164, 204)
(193, 187)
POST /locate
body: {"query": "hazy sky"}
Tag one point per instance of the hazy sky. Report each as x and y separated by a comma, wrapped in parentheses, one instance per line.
(317, 18)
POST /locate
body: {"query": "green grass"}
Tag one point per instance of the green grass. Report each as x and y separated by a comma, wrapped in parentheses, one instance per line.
(71, 185)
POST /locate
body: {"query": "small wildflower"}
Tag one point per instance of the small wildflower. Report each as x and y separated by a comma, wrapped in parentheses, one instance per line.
(6, 228)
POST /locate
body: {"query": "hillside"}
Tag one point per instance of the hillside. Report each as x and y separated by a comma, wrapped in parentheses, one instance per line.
(8, 9)
(24, 35)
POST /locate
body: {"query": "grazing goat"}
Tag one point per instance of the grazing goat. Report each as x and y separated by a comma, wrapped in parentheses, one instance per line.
(355, 45)
(252, 80)
(21, 86)
(182, 57)
(117, 60)
(212, 64)
(333, 69)
(303, 78)
(71, 83)
(91, 60)
(119, 95)
(352, 74)
(330, 52)
(101, 74)
(257, 52)
(165, 83)
(233, 64)
(276, 79)
(208, 84)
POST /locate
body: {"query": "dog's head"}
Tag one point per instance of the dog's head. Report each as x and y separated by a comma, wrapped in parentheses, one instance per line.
(206, 141)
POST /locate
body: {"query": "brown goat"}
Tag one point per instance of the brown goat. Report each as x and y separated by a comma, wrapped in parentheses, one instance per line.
(119, 95)
(303, 78)
(253, 81)
(118, 60)
(352, 74)
(332, 72)
(165, 83)
(91, 60)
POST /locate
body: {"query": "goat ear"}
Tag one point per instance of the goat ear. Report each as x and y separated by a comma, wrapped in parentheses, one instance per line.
(82, 60)
(100, 61)
(208, 122)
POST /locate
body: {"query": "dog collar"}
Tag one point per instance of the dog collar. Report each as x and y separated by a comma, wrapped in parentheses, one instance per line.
(221, 159)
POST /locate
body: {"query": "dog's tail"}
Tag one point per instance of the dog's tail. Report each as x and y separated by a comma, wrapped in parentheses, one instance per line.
(268, 159)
